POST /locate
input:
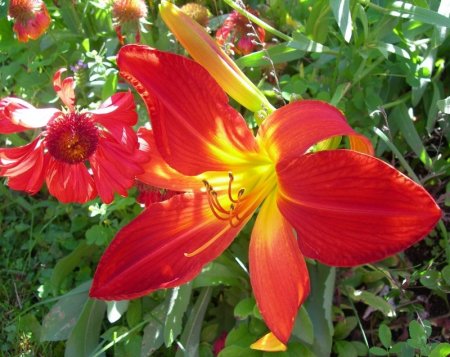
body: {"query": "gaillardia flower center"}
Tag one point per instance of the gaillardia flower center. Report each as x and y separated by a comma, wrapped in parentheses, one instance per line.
(72, 138)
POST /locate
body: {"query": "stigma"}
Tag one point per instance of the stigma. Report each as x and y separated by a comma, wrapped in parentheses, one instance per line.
(72, 137)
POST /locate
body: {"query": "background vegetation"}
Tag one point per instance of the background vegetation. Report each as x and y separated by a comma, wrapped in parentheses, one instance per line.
(384, 63)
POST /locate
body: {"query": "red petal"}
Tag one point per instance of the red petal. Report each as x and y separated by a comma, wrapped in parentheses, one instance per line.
(24, 166)
(153, 251)
(291, 130)
(117, 174)
(158, 173)
(278, 271)
(195, 128)
(118, 108)
(70, 182)
(16, 115)
(64, 89)
(118, 114)
(349, 208)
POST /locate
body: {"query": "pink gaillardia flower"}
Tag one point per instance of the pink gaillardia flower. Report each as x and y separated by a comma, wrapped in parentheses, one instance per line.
(238, 32)
(80, 154)
(341, 207)
(127, 15)
(31, 18)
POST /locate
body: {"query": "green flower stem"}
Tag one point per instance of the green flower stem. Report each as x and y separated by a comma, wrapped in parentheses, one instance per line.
(258, 21)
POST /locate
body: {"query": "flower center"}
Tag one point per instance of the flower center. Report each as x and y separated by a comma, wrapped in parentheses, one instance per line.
(129, 10)
(72, 138)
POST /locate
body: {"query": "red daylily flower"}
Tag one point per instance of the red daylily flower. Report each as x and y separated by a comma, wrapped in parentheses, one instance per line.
(31, 18)
(103, 138)
(238, 32)
(341, 207)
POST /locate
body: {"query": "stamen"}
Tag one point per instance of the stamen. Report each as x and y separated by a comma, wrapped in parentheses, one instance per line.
(231, 215)
(204, 246)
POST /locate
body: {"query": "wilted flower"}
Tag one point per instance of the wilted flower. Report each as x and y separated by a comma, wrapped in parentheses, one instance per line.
(197, 12)
(239, 33)
(80, 154)
(127, 14)
(31, 18)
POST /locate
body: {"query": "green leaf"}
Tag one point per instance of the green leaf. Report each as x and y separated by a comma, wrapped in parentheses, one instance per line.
(237, 351)
(214, 274)
(29, 324)
(134, 312)
(360, 347)
(303, 327)
(62, 317)
(377, 351)
(278, 54)
(154, 332)
(385, 335)
(416, 331)
(178, 304)
(190, 339)
(444, 105)
(388, 47)
(244, 308)
(110, 86)
(67, 264)
(85, 336)
(241, 336)
(303, 43)
(341, 12)
(345, 349)
(345, 327)
(70, 16)
(446, 274)
(319, 304)
(401, 118)
(430, 279)
(98, 235)
(409, 11)
(115, 309)
(441, 350)
(372, 300)
(433, 109)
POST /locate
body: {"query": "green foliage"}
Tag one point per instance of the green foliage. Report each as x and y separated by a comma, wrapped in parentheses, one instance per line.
(383, 63)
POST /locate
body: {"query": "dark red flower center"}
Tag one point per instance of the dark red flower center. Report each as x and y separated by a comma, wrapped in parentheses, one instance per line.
(72, 138)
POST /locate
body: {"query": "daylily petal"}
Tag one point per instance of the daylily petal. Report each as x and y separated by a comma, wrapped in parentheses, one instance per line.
(269, 343)
(70, 182)
(165, 246)
(117, 175)
(350, 208)
(17, 115)
(195, 128)
(158, 173)
(206, 51)
(24, 166)
(64, 89)
(291, 130)
(278, 271)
